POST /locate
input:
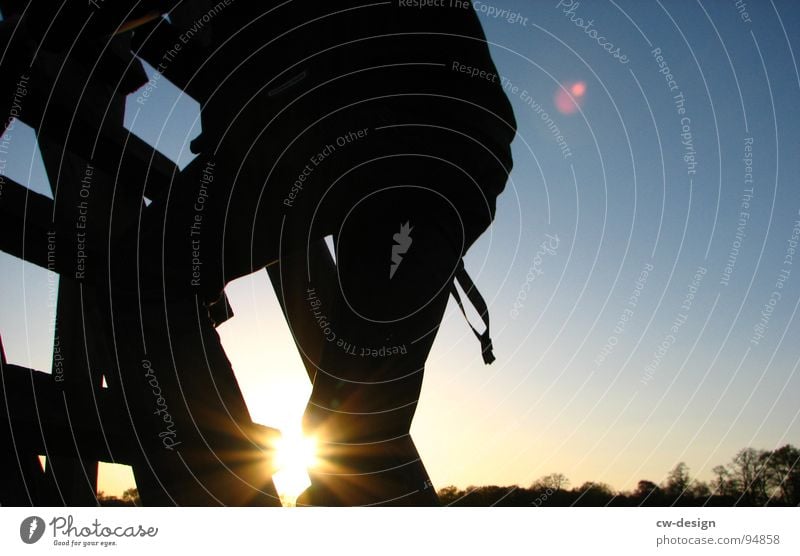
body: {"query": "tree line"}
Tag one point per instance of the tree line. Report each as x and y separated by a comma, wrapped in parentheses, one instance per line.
(752, 478)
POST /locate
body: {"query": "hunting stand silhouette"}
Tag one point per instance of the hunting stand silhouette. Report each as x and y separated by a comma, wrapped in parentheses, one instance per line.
(70, 88)
(133, 313)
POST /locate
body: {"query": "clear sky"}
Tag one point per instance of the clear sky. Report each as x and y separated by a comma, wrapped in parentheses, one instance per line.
(659, 322)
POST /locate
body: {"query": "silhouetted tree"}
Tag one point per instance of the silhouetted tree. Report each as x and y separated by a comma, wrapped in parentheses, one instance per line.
(449, 495)
(677, 483)
(131, 496)
(782, 475)
(105, 500)
(723, 484)
(648, 493)
(488, 496)
(747, 471)
(553, 481)
(753, 477)
(646, 488)
(699, 490)
(593, 493)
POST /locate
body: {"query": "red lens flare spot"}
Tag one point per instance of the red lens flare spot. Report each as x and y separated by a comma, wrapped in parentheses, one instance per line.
(569, 97)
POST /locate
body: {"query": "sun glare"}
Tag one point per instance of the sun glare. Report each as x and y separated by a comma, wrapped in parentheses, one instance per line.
(295, 454)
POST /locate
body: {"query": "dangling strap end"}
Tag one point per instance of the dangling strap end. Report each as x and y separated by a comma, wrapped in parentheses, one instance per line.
(487, 348)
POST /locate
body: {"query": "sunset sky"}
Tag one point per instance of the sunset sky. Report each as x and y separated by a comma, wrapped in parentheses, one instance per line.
(647, 330)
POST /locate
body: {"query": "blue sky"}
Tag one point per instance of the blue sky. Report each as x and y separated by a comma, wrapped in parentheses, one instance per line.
(623, 202)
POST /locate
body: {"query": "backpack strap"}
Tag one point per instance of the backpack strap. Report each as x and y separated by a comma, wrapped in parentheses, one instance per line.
(479, 303)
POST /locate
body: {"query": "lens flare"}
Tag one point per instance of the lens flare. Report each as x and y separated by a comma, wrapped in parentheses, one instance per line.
(569, 97)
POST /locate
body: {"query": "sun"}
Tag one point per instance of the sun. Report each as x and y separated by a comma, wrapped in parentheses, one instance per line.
(295, 454)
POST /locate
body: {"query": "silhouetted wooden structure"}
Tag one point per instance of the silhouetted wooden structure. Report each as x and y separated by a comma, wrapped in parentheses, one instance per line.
(77, 111)
(67, 415)
(66, 73)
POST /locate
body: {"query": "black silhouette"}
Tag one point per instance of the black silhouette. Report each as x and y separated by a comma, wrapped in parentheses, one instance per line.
(352, 121)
